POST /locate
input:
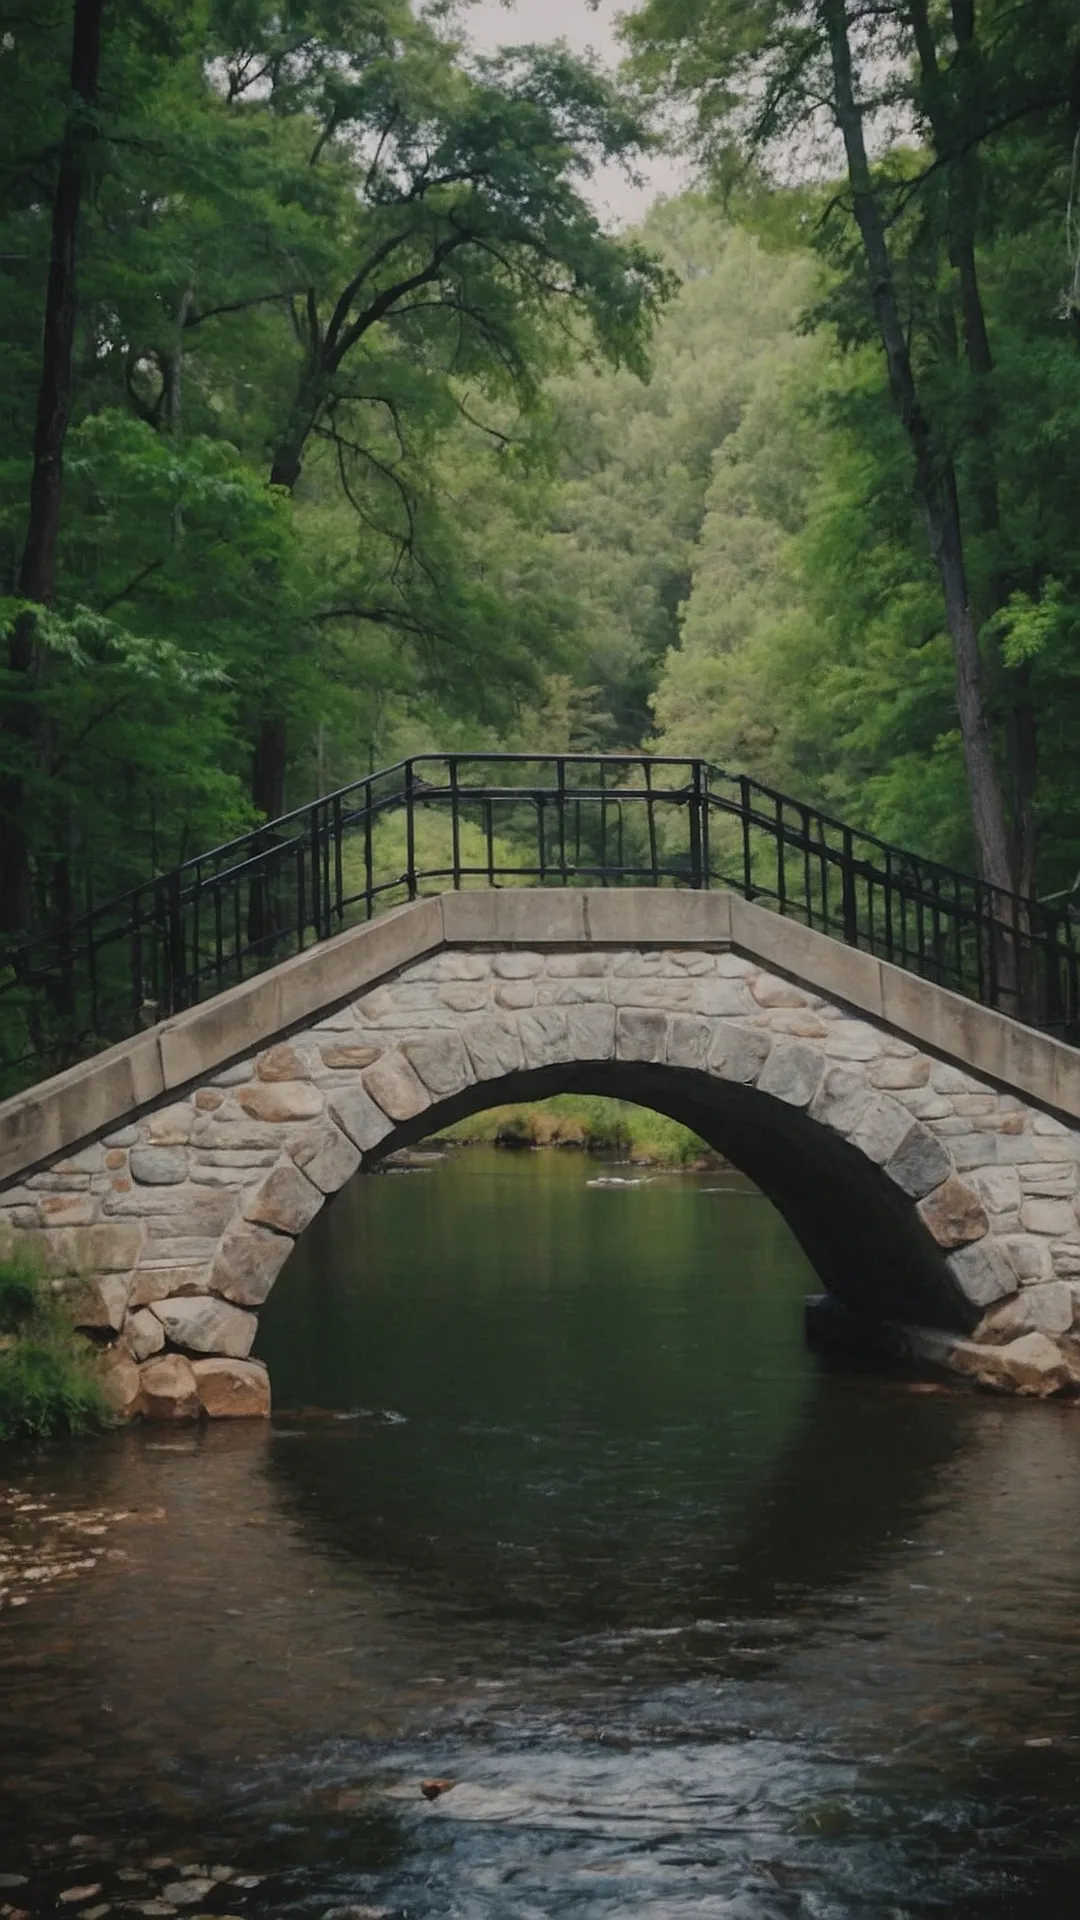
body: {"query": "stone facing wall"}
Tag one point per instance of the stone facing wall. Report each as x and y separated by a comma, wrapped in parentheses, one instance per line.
(168, 1234)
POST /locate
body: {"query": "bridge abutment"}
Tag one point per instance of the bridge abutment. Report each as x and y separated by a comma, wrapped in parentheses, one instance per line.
(935, 1201)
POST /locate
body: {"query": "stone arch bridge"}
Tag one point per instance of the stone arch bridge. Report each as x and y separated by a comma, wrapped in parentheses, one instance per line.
(923, 1149)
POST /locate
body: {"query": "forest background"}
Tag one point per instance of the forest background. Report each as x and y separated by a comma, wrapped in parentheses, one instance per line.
(337, 426)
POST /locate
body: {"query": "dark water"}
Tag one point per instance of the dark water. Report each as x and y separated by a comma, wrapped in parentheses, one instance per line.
(697, 1627)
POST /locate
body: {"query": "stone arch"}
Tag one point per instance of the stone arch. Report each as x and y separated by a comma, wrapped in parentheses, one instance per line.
(919, 1193)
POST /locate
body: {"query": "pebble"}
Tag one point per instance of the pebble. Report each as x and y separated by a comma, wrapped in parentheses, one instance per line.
(97, 1913)
(221, 1874)
(74, 1896)
(153, 1909)
(160, 1861)
(248, 1881)
(187, 1893)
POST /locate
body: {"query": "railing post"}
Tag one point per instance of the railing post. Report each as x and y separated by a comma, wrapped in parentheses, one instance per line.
(410, 829)
(850, 902)
(695, 824)
(747, 849)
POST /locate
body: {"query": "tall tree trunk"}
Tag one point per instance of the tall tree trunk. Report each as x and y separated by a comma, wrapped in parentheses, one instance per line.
(37, 571)
(935, 474)
(953, 114)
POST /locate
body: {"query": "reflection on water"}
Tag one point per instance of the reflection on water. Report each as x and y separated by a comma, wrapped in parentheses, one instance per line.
(694, 1627)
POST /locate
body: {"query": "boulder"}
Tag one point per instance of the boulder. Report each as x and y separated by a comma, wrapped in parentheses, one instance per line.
(168, 1389)
(954, 1214)
(159, 1166)
(207, 1326)
(121, 1383)
(143, 1334)
(233, 1389)
(1033, 1365)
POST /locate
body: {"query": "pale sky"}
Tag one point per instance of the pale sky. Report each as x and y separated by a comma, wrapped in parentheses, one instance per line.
(490, 24)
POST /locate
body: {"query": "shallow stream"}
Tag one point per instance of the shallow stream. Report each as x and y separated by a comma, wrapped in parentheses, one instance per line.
(694, 1625)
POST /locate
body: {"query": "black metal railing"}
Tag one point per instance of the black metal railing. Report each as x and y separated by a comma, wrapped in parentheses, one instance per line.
(495, 820)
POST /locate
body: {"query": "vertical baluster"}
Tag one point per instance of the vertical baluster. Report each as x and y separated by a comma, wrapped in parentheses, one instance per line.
(808, 884)
(781, 870)
(455, 824)
(888, 898)
(238, 936)
(369, 862)
(560, 789)
(747, 847)
(301, 896)
(489, 834)
(339, 872)
(706, 804)
(137, 994)
(695, 823)
(410, 829)
(540, 801)
(650, 814)
(823, 865)
(219, 939)
(850, 898)
(603, 828)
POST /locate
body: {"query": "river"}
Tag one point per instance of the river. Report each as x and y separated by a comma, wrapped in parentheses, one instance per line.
(567, 1516)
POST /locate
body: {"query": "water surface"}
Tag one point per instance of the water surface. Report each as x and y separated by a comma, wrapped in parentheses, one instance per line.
(695, 1626)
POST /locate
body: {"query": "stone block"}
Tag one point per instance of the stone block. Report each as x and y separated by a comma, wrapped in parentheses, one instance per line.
(395, 1087)
(644, 917)
(442, 1063)
(206, 1326)
(1047, 1216)
(920, 1163)
(66, 1209)
(883, 1125)
(286, 1201)
(801, 1023)
(517, 966)
(683, 960)
(719, 998)
(89, 1160)
(494, 1047)
(457, 964)
(158, 1166)
(854, 1040)
(278, 1101)
(106, 1247)
(545, 1036)
(1030, 1256)
(590, 1032)
(842, 1098)
(329, 1159)
(232, 1389)
(954, 1213)
(999, 1187)
(669, 994)
(515, 994)
(283, 1062)
(1045, 1308)
(793, 1073)
(247, 1264)
(98, 1302)
(168, 1390)
(157, 1283)
(515, 917)
(358, 1116)
(342, 1058)
(188, 1209)
(142, 1334)
(576, 966)
(689, 1039)
(970, 1150)
(170, 1126)
(640, 1035)
(1048, 1179)
(983, 1272)
(1065, 1256)
(769, 991)
(738, 1054)
(464, 996)
(890, 1073)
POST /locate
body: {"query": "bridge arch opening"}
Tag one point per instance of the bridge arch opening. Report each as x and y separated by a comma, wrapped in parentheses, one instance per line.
(860, 1231)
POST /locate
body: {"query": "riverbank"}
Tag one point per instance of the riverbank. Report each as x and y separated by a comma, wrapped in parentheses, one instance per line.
(615, 1128)
(48, 1384)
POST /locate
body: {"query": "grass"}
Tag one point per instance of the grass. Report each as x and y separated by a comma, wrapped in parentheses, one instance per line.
(586, 1121)
(47, 1379)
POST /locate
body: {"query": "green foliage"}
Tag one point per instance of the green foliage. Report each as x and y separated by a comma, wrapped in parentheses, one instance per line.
(47, 1382)
(616, 1128)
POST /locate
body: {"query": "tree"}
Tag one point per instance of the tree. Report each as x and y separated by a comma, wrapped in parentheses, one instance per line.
(772, 72)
